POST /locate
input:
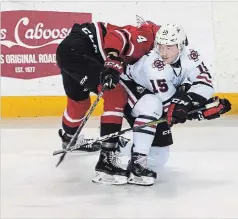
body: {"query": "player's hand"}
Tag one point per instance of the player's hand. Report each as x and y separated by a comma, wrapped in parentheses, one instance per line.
(224, 106)
(184, 87)
(113, 67)
(178, 110)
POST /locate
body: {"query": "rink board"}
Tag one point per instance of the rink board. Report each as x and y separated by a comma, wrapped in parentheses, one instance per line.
(30, 82)
(33, 106)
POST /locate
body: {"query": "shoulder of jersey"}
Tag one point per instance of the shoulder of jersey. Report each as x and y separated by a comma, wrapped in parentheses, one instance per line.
(155, 62)
(190, 56)
(155, 59)
(146, 30)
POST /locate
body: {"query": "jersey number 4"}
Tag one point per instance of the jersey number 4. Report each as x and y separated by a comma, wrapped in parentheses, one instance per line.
(159, 85)
(141, 39)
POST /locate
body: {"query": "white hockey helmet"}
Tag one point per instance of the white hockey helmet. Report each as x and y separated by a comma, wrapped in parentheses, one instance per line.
(171, 34)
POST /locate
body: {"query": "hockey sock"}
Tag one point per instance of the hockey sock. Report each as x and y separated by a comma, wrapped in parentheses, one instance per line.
(73, 114)
(143, 137)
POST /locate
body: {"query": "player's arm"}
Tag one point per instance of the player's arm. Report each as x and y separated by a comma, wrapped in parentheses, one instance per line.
(194, 93)
(200, 90)
(222, 106)
(115, 42)
(201, 83)
(202, 87)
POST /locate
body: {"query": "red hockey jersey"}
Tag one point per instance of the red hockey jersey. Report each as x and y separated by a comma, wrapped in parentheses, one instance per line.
(130, 41)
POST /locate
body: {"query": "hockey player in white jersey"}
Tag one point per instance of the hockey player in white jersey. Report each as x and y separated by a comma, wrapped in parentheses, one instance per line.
(154, 86)
(169, 81)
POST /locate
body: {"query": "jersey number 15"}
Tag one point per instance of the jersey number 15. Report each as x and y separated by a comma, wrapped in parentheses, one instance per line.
(159, 85)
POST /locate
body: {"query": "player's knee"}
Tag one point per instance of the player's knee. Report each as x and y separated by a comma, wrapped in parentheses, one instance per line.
(77, 95)
(158, 157)
(149, 105)
(114, 103)
(77, 109)
(73, 89)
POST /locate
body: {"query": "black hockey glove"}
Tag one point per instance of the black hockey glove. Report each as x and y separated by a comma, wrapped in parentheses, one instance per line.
(215, 112)
(178, 110)
(184, 87)
(113, 67)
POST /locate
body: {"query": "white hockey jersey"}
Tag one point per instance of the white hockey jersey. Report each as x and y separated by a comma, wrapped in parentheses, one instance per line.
(163, 79)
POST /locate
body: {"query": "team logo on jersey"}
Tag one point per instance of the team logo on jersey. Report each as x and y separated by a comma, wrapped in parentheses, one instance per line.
(140, 89)
(158, 64)
(193, 55)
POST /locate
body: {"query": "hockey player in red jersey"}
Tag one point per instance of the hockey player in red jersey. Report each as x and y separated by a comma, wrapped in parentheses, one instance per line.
(91, 55)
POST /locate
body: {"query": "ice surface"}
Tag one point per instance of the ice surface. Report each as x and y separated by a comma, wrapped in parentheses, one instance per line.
(199, 181)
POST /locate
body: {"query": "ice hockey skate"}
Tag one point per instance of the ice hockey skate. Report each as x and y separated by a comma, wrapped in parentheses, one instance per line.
(108, 168)
(85, 147)
(139, 174)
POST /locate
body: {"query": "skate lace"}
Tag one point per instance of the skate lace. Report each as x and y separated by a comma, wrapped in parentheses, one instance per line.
(142, 160)
(114, 159)
(123, 141)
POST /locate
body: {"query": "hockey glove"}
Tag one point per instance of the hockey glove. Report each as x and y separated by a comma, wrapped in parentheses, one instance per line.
(216, 111)
(184, 87)
(178, 110)
(113, 67)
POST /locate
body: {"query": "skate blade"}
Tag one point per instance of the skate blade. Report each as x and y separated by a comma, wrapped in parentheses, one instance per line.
(142, 180)
(107, 179)
(82, 154)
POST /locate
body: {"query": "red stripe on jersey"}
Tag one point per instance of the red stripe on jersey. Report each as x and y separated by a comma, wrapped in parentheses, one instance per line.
(123, 38)
(132, 47)
(130, 98)
(204, 78)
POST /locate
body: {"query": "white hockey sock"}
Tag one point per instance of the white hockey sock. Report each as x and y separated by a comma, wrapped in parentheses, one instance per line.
(144, 137)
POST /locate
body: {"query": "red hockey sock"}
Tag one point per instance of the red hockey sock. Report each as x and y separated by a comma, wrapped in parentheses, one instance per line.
(74, 114)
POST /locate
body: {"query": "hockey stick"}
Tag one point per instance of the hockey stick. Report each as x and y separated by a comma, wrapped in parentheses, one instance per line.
(116, 134)
(73, 139)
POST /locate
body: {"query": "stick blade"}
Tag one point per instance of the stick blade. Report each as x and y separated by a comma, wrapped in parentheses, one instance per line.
(61, 159)
(58, 152)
